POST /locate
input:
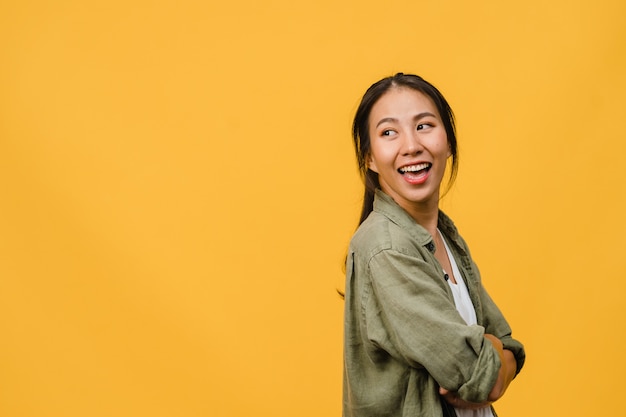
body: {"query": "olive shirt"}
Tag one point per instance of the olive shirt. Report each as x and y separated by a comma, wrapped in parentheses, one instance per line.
(403, 335)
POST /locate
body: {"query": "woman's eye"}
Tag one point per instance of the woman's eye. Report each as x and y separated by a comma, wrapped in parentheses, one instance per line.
(387, 132)
(423, 126)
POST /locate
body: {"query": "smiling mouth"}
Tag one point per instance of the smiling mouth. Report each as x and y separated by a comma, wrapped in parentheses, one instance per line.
(416, 169)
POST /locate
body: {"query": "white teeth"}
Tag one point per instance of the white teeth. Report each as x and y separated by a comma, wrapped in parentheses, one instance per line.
(414, 168)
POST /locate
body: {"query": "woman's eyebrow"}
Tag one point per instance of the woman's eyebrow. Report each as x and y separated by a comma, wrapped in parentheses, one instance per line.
(415, 118)
(385, 120)
(422, 115)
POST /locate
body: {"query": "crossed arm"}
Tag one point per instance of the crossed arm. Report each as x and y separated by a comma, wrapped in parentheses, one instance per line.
(505, 376)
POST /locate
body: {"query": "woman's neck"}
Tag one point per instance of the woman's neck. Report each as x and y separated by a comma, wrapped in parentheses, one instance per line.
(424, 212)
(426, 216)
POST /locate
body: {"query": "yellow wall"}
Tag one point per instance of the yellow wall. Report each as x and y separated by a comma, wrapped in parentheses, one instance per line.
(178, 190)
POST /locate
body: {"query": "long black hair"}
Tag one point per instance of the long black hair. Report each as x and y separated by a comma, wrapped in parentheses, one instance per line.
(361, 134)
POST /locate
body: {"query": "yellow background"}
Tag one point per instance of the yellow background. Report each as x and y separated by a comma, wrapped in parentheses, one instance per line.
(178, 189)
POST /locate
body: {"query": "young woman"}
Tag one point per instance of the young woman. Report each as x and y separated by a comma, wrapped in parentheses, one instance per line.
(422, 336)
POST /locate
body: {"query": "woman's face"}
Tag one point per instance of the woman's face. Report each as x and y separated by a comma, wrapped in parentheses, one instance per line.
(408, 148)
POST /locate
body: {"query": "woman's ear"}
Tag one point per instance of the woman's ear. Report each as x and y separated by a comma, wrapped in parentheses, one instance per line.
(370, 163)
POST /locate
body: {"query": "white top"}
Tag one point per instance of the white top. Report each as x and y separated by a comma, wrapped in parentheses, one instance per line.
(464, 306)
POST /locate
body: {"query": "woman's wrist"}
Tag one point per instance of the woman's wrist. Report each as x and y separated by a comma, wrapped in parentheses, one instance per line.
(502, 382)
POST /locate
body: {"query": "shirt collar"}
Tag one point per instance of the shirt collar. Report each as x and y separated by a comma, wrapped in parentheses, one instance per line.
(386, 206)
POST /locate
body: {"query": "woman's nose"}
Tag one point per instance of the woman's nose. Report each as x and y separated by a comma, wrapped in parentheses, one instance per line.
(412, 143)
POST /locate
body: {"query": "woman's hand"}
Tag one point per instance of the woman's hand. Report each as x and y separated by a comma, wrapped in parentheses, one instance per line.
(453, 399)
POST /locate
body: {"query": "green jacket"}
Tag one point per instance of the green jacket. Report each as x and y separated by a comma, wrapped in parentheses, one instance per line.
(403, 335)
